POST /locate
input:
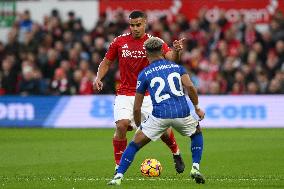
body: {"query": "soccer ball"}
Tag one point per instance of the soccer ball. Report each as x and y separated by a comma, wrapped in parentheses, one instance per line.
(151, 168)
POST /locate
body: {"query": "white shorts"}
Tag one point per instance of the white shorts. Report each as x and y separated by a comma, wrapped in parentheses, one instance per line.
(154, 127)
(123, 108)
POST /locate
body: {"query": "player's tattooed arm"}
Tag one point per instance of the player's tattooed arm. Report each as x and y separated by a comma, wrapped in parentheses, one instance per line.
(192, 93)
(137, 108)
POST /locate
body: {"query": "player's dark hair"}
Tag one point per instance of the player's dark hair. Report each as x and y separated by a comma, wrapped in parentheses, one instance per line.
(137, 14)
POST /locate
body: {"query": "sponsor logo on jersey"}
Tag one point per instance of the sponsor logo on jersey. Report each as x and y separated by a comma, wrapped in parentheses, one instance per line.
(133, 54)
(125, 46)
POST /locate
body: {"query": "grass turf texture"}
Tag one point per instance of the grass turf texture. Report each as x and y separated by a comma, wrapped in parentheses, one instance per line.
(83, 158)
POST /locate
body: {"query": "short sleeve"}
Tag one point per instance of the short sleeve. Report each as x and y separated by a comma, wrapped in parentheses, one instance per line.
(112, 50)
(182, 70)
(141, 86)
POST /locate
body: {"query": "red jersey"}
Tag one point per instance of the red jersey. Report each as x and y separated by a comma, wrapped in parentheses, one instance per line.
(132, 59)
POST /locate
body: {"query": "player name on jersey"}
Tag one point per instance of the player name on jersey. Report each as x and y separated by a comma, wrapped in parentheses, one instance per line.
(161, 67)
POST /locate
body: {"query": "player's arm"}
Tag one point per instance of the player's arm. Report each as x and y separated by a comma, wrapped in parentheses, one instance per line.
(141, 88)
(137, 108)
(192, 93)
(102, 70)
(175, 53)
(110, 56)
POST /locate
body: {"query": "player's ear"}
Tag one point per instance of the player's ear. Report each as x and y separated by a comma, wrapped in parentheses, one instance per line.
(145, 22)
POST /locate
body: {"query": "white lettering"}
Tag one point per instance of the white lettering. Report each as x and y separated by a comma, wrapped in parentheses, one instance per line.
(3, 112)
(17, 111)
(233, 15)
(133, 54)
(161, 67)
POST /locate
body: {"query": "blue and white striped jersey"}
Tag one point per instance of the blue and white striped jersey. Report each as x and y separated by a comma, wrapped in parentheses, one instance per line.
(162, 78)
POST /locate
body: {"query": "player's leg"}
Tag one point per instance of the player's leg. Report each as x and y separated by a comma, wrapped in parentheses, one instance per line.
(123, 112)
(119, 140)
(152, 129)
(168, 137)
(190, 127)
(196, 150)
(140, 140)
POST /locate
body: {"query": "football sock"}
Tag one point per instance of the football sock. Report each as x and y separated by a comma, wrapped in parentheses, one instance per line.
(196, 147)
(127, 157)
(171, 143)
(177, 152)
(118, 175)
(196, 165)
(118, 149)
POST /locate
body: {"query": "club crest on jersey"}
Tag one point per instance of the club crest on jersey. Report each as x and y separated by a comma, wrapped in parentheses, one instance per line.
(138, 84)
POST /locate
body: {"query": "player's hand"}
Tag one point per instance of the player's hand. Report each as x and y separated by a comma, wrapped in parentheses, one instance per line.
(178, 44)
(200, 114)
(98, 84)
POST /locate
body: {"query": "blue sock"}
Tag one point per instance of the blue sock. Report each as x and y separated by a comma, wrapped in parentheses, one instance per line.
(196, 147)
(127, 157)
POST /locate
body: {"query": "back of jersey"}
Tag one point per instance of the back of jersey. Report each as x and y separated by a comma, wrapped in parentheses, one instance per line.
(162, 79)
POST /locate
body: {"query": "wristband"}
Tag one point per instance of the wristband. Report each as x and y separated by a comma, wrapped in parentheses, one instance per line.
(196, 107)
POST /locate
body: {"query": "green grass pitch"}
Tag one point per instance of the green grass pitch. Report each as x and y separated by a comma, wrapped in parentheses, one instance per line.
(83, 158)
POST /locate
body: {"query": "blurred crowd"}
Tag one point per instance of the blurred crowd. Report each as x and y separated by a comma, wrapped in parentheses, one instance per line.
(59, 57)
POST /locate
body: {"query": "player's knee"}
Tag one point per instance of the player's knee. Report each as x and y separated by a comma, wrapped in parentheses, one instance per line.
(122, 125)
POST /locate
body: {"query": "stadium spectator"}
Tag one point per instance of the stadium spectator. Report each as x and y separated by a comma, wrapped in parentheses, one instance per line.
(76, 81)
(8, 78)
(49, 67)
(87, 77)
(29, 44)
(274, 87)
(60, 84)
(71, 20)
(211, 51)
(262, 81)
(13, 45)
(29, 84)
(25, 24)
(252, 88)
(2, 51)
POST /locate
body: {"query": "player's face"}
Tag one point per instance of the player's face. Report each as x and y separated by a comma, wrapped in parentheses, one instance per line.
(137, 27)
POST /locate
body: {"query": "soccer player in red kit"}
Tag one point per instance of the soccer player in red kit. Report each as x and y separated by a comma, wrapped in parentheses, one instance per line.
(130, 52)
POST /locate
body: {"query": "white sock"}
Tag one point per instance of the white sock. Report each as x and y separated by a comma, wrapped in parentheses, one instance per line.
(177, 153)
(116, 167)
(196, 165)
(118, 175)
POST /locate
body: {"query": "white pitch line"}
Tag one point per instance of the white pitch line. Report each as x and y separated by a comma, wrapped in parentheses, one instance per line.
(187, 179)
(132, 179)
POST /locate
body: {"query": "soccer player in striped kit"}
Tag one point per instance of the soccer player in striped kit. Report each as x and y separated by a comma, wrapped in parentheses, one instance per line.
(165, 81)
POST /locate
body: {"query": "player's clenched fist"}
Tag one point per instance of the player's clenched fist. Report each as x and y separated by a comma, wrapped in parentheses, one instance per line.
(200, 113)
